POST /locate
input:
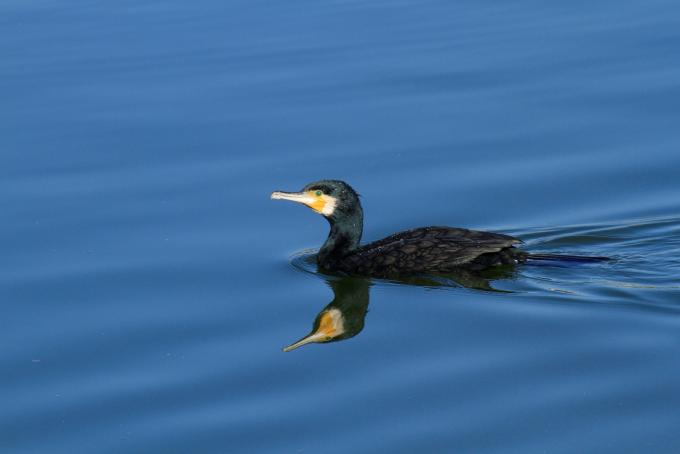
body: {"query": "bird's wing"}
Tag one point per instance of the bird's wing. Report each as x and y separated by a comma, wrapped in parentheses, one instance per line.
(428, 248)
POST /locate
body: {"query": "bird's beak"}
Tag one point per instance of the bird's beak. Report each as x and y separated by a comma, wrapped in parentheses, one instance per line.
(299, 197)
(314, 337)
(322, 204)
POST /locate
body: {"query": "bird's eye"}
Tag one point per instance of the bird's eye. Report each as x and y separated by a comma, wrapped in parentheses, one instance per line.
(318, 193)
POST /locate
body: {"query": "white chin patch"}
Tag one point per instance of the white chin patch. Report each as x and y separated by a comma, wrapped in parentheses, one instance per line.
(329, 206)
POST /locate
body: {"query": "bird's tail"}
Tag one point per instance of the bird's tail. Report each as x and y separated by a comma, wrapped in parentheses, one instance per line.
(566, 258)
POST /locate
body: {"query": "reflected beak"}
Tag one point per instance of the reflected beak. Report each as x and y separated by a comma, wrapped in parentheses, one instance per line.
(314, 337)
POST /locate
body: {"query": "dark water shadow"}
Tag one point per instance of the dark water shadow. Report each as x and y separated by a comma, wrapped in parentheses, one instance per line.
(305, 261)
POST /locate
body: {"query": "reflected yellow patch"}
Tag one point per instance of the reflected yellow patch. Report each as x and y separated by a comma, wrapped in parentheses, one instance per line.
(327, 325)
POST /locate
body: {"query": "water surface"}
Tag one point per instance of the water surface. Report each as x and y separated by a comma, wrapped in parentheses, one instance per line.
(148, 284)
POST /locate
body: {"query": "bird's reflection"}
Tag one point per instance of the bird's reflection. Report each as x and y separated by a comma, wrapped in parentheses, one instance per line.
(344, 316)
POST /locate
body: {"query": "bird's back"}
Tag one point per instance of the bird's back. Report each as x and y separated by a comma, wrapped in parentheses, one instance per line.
(428, 250)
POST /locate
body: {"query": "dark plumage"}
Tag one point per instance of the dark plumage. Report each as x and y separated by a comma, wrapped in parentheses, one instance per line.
(425, 250)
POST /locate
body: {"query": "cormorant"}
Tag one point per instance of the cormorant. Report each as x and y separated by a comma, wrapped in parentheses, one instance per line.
(425, 250)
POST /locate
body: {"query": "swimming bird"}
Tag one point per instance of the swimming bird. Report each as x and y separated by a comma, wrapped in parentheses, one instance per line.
(425, 250)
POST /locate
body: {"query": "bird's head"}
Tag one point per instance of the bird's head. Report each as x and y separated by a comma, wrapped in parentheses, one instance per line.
(334, 199)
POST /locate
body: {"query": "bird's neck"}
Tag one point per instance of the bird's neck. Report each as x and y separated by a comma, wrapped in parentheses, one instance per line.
(344, 237)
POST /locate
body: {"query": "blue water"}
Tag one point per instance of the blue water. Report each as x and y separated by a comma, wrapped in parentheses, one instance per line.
(148, 284)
